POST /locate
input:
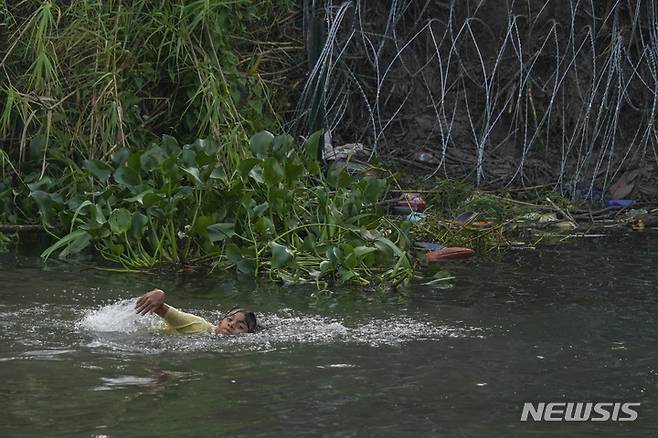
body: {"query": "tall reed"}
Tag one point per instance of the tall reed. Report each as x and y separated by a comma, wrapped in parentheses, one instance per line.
(80, 80)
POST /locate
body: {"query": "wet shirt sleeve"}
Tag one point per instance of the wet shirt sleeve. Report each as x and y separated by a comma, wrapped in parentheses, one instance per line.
(185, 323)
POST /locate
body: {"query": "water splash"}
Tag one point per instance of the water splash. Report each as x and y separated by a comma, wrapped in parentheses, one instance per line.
(118, 328)
(119, 317)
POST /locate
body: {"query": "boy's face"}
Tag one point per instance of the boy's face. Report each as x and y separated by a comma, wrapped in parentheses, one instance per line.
(233, 324)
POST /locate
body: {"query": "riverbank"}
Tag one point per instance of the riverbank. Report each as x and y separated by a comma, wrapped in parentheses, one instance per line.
(279, 216)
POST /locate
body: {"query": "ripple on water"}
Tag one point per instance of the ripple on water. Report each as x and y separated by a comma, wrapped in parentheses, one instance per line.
(118, 328)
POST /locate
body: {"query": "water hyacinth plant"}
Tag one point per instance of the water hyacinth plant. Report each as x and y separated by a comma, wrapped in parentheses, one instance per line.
(276, 213)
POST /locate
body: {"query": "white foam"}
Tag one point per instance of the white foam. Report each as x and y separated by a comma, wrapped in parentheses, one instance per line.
(119, 317)
(117, 327)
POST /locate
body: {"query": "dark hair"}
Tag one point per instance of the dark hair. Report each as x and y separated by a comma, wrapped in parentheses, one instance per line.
(250, 318)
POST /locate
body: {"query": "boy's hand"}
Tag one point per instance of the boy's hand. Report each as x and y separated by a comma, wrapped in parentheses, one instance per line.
(151, 302)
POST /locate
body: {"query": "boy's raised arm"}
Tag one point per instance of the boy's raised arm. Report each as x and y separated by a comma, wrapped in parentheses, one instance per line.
(152, 302)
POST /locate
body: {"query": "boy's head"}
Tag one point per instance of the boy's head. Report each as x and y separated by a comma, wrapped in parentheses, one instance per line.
(237, 321)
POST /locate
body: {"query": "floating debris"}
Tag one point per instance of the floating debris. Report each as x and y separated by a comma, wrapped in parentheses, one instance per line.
(454, 253)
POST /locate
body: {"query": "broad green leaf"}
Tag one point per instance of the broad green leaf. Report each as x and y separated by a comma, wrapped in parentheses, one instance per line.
(247, 200)
(344, 179)
(272, 171)
(441, 279)
(97, 217)
(233, 253)
(189, 157)
(361, 251)
(218, 173)
(221, 231)
(126, 177)
(264, 226)
(120, 157)
(120, 221)
(194, 173)
(261, 143)
(281, 255)
(138, 225)
(334, 255)
(313, 168)
(78, 211)
(293, 171)
(350, 261)
(246, 266)
(245, 166)
(42, 199)
(243, 258)
(37, 144)
(169, 145)
(98, 169)
(202, 223)
(261, 208)
(312, 144)
(44, 184)
(140, 197)
(169, 169)
(147, 198)
(133, 161)
(282, 144)
(207, 146)
(203, 159)
(346, 274)
(392, 246)
(257, 174)
(326, 266)
(374, 190)
(152, 158)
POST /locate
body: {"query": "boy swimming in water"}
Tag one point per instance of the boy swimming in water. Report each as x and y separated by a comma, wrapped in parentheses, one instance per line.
(236, 321)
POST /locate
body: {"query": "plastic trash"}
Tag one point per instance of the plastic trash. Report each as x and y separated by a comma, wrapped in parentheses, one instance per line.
(413, 201)
(454, 253)
(430, 246)
(415, 217)
(426, 157)
(619, 202)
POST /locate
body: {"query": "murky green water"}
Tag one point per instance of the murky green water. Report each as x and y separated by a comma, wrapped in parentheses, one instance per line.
(575, 323)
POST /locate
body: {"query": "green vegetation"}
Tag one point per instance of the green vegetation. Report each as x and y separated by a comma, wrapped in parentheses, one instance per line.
(81, 80)
(275, 213)
(94, 99)
(95, 96)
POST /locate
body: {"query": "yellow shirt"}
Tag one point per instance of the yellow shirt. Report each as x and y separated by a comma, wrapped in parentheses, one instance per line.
(182, 323)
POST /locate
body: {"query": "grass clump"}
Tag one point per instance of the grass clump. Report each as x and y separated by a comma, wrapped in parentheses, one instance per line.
(84, 79)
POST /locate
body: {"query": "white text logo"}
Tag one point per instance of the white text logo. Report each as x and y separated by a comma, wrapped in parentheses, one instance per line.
(579, 411)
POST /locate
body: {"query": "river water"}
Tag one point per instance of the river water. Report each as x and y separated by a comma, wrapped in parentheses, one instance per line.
(575, 323)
